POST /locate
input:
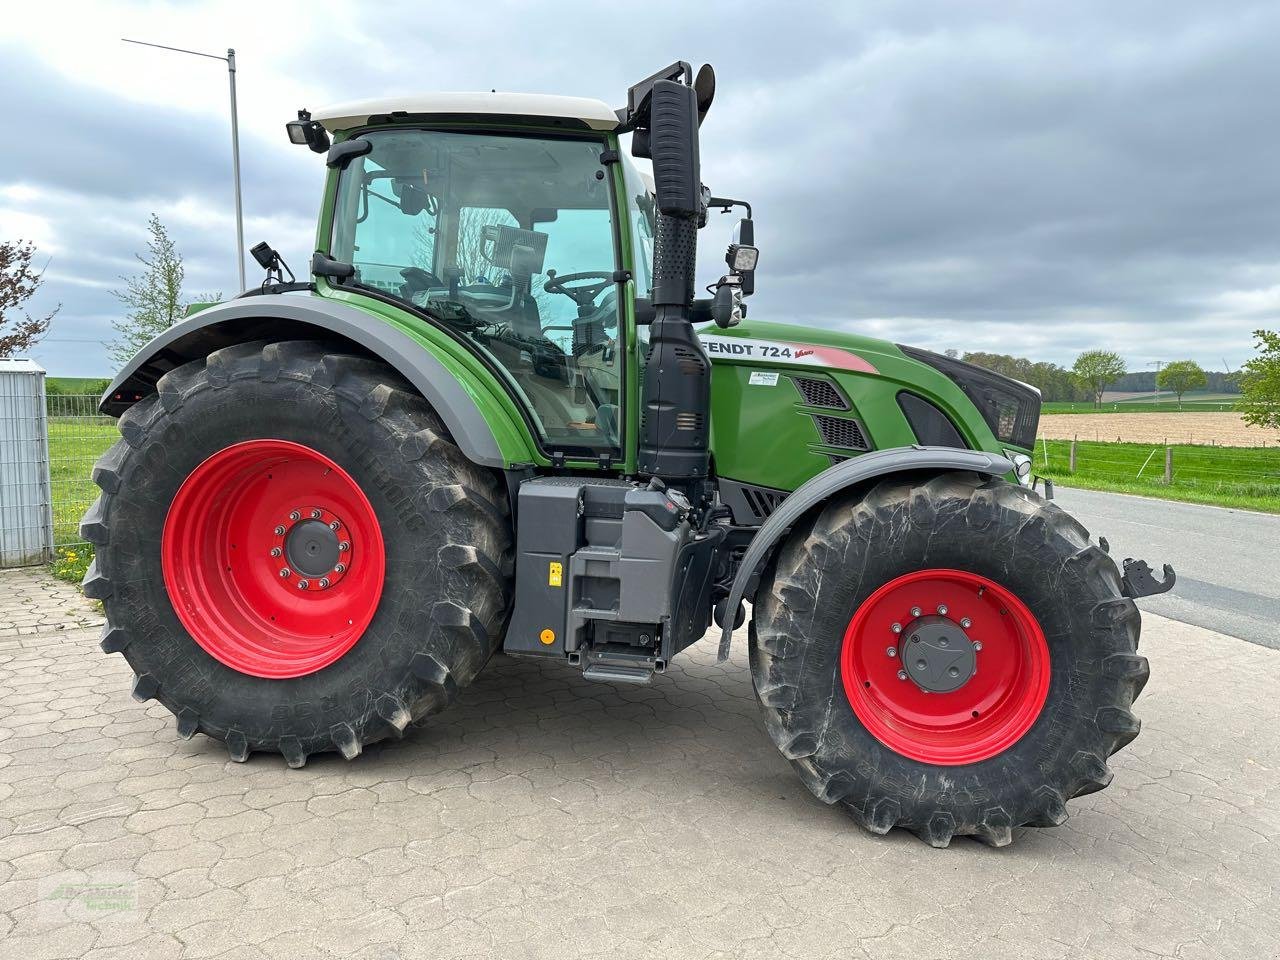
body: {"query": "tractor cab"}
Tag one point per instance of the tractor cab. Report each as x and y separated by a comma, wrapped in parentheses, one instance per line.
(511, 240)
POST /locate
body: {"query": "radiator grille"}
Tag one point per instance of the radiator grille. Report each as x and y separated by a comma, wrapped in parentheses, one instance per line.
(820, 393)
(840, 432)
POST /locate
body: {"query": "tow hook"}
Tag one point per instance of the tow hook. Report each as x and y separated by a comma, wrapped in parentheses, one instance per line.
(1138, 581)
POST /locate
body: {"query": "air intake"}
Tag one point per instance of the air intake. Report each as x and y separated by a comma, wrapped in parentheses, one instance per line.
(820, 393)
(841, 432)
(761, 500)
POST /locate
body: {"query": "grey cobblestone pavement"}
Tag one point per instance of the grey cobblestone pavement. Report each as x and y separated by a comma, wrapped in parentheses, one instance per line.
(549, 817)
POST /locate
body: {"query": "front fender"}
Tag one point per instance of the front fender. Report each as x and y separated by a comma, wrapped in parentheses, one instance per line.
(305, 316)
(869, 466)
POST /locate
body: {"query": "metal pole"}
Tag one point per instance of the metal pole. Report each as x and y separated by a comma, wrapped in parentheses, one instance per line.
(230, 60)
(235, 166)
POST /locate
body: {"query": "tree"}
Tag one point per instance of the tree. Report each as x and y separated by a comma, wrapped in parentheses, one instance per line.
(1181, 376)
(19, 331)
(154, 296)
(1260, 382)
(1096, 369)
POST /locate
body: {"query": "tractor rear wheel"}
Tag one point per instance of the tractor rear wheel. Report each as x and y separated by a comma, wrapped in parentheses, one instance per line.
(293, 555)
(951, 656)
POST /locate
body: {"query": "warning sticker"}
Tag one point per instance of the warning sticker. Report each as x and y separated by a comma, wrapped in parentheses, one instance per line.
(555, 574)
(763, 378)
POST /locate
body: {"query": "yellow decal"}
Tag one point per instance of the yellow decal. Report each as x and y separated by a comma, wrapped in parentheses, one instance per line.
(555, 575)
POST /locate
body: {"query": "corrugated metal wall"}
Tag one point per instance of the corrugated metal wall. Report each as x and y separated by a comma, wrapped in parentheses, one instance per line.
(26, 514)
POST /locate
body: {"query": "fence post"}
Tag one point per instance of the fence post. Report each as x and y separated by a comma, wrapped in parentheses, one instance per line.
(1168, 464)
(1071, 466)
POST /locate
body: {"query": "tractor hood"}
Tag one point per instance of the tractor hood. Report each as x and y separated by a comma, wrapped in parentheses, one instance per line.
(788, 401)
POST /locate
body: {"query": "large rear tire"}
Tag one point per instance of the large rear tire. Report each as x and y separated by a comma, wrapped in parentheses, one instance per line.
(1038, 666)
(293, 554)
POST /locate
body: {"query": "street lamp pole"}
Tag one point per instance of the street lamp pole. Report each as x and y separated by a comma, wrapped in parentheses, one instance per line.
(230, 61)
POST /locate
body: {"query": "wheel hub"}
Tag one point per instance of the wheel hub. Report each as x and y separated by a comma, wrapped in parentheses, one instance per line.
(938, 655)
(312, 549)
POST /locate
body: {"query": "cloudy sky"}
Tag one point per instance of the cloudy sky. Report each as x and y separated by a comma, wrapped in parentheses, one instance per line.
(1032, 178)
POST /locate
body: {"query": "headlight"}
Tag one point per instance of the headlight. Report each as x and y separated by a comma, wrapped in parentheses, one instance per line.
(1011, 409)
(1021, 466)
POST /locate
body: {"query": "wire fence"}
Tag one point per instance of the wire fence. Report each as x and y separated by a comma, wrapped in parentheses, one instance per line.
(1250, 475)
(78, 435)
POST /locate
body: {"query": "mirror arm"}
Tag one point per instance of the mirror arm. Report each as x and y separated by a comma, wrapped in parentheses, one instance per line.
(726, 205)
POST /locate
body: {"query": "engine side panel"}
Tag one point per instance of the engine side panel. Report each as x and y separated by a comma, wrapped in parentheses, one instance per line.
(789, 402)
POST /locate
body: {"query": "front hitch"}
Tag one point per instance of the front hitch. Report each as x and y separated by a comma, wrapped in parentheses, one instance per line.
(1138, 581)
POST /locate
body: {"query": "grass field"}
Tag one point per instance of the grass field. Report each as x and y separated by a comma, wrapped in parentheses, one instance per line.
(1246, 477)
(77, 437)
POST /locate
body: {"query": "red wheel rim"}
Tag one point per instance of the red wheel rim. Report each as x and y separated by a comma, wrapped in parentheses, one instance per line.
(237, 528)
(990, 712)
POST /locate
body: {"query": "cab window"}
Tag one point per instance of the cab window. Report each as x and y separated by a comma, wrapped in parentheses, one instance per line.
(509, 241)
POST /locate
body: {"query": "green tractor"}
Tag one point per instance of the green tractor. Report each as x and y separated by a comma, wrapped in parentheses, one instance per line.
(497, 419)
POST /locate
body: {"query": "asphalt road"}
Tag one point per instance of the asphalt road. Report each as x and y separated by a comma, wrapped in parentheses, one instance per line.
(1227, 561)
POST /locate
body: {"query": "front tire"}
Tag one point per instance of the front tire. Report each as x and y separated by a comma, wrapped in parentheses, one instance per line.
(293, 555)
(975, 744)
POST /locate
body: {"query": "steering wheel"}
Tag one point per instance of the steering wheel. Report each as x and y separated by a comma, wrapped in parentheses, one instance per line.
(583, 295)
(416, 279)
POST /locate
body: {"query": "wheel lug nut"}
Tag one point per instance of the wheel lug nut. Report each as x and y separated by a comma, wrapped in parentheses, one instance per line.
(344, 546)
(335, 526)
(276, 551)
(902, 674)
(942, 609)
(295, 516)
(977, 646)
(315, 514)
(340, 568)
(279, 531)
(915, 611)
(285, 573)
(966, 623)
(896, 628)
(891, 652)
(303, 584)
(324, 583)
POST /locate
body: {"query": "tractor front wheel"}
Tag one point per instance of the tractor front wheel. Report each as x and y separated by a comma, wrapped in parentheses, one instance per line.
(293, 555)
(951, 656)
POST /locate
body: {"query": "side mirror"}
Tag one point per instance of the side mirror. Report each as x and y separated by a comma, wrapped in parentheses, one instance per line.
(726, 307)
(673, 145)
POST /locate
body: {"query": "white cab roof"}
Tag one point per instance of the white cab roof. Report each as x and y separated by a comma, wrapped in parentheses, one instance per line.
(596, 114)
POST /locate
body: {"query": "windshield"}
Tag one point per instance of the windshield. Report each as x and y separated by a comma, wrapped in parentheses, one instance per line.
(508, 240)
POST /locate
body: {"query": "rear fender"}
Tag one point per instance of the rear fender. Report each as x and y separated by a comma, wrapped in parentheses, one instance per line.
(308, 317)
(850, 473)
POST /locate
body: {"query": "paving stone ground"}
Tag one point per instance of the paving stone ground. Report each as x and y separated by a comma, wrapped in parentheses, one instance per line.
(549, 817)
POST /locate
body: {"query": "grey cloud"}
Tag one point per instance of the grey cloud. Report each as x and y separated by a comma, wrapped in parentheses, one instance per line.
(1035, 178)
